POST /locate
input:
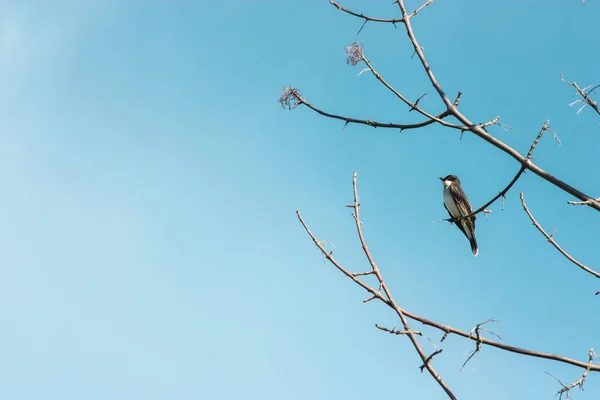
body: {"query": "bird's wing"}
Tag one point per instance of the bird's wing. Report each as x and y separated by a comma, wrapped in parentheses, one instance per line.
(461, 201)
(462, 204)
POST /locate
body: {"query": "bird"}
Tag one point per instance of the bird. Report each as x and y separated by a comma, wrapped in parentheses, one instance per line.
(457, 204)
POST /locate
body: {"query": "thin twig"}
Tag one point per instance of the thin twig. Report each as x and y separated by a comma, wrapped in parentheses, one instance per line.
(537, 139)
(579, 382)
(391, 302)
(582, 203)
(301, 100)
(397, 332)
(501, 194)
(413, 106)
(476, 330)
(585, 96)
(550, 239)
(428, 359)
(418, 10)
(365, 17)
(362, 273)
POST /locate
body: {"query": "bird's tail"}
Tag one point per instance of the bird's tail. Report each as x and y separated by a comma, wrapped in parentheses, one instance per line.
(474, 247)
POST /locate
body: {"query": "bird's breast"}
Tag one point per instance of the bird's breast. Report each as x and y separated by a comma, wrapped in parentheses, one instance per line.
(450, 204)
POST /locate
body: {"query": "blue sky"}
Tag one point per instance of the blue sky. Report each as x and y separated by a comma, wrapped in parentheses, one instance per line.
(149, 180)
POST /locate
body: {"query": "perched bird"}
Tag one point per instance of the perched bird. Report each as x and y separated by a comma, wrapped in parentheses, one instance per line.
(457, 204)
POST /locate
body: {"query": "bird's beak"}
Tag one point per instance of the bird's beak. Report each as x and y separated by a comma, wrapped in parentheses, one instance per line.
(441, 179)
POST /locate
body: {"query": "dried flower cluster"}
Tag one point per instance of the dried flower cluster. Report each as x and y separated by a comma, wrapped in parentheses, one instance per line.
(355, 53)
(290, 98)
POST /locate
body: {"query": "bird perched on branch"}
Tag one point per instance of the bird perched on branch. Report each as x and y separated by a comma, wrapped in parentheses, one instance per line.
(457, 204)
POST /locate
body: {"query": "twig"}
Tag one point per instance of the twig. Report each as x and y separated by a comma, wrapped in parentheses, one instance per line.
(585, 96)
(579, 382)
(550, 239)
(537, 139)
(582, 203)
(413, 106)
(428, 359)
(418, 10)
(362, 273)
(491, 122)
(501, 194)
(397, 332)
(366, 18)
(391, 302)
(478, 340)
(297, 99)
(372, 19)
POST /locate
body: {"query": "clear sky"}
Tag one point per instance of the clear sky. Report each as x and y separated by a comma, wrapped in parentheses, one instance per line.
(149, 179)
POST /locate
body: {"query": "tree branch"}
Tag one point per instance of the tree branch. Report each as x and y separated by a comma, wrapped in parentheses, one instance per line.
(291, 98)
(366, 18)
(553, 242)
(391, 302)
(479, 131)
(585, 96)
(418, 10)
(413, 106)
(395, 331)
(447, 329)
(579, 382)
(582, 203)
(477, 330)
(476, 129)
(502, 194)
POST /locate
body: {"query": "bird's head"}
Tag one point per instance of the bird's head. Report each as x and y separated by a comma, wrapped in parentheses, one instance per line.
(450, 179)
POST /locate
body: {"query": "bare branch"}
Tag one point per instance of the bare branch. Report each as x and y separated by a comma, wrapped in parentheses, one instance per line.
(579, 382)
(491, 122)
(582, 203)
(366, 18)
(397, 332)
(501, 194)
(362, 273)
(553, 242)
(447, 329)
(369, 299)
(477, 331)
(478, 130)
(391, 302)
(292, 98)
(413, 106)
(418, 10)
(428, 359)
(372, 19)
(586, 100)
(537, 139)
